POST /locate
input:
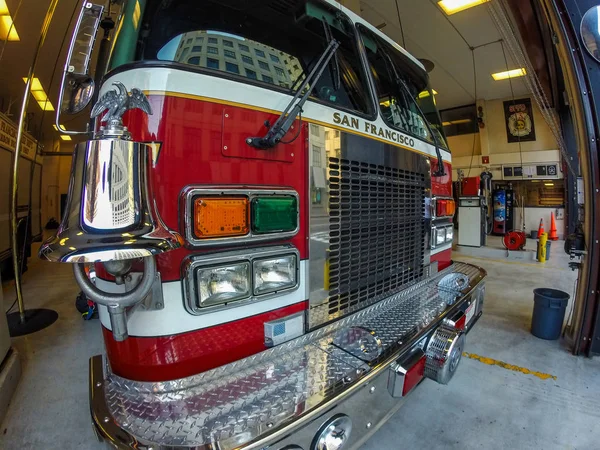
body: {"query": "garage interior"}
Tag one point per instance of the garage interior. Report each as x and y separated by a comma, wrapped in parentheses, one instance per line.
(513, 389)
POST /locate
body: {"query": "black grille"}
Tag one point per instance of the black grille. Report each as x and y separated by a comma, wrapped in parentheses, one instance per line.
(376, 234)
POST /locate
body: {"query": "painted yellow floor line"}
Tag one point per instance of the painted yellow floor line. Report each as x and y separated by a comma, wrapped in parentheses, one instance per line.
(535, 264)
(495, 362)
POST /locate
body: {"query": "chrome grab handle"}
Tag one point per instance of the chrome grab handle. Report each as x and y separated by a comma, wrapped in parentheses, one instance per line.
(117, 302)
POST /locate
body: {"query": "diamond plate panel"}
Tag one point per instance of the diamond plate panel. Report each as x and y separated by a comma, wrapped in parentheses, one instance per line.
(234, 404)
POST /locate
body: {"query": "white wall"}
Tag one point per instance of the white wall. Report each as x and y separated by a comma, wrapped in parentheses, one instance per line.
(533, 216)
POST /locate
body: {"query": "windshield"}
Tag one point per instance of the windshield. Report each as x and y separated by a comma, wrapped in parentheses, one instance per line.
(426, 101)
(272, 44)
(406, 102)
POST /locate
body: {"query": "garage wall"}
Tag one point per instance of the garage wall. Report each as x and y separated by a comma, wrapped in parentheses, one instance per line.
(462, 145)
(55, 180)
(496, 129)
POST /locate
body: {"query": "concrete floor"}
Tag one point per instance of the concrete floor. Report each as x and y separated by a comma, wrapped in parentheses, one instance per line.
(484, 406)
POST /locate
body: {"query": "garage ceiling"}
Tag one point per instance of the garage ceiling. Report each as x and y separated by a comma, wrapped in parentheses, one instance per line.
(17, 56)
(428, 34)
(432, 35)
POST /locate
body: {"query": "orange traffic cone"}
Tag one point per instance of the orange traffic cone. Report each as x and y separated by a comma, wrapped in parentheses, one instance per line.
(552, 236)
(541, 228)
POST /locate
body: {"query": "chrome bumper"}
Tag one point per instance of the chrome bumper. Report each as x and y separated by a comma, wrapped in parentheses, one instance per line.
(283, 395)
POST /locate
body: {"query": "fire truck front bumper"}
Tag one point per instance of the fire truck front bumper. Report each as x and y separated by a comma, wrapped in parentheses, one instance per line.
(330, 389)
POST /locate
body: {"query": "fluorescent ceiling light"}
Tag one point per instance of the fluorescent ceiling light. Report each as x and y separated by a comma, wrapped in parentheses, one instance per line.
(46, 106)
(514, 73)
(40, 96)
(38, 92)
(36, 85)
(455, 122)
(548, 184)
(8, 32)
(453, 6)
(3, 8)
(65, 137)
(426, 93)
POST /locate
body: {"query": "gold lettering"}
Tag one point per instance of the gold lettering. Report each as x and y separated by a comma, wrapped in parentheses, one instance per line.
(388, 134)
(345, 121)
(354, 123)
(336, 117)
(373, 129)
(381, 133)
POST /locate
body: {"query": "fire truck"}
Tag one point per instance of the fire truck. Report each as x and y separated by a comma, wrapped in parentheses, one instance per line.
(266, 201)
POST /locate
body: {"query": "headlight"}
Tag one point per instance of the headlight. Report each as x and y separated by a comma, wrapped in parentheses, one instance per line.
(274, 274)
(449, 233)
(223, 284)
(440, 236)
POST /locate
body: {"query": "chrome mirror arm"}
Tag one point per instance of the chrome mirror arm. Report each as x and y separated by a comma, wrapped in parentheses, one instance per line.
(77, 63)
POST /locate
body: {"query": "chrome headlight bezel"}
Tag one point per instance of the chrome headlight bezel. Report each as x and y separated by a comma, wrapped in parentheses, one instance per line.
(192, 265)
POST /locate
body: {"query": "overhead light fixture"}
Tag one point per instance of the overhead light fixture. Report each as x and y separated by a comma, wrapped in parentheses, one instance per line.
(65, 137)
(455, 122)
(453, 6)
(514, 73)
(548, 184)
(425, 94)
(38, 92)
(8, 32)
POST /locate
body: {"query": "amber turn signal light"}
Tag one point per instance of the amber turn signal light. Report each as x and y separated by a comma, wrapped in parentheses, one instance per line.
(221, 217)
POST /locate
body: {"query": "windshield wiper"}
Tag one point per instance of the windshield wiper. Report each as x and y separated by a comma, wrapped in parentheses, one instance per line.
(440, 172)
(294, 108)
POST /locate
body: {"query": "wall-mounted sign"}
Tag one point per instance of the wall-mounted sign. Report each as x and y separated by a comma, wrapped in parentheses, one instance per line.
(531, 171)
(518, 115)
(8, 139)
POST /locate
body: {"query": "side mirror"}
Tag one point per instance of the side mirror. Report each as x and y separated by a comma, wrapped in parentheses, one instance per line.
(77, 86)
(590, 32)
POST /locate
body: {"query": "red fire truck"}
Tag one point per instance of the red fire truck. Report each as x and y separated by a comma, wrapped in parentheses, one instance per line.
(267, 202)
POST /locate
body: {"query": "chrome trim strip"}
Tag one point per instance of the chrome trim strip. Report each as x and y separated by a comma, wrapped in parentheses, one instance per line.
(192, 263)
(186, 211)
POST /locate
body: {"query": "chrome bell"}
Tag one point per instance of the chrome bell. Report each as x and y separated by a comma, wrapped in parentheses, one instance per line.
(110, 213)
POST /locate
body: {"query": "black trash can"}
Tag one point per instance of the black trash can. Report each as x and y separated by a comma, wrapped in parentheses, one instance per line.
(548, 312)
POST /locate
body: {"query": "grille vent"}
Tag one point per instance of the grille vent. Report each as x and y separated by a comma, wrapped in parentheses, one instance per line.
(376, 236)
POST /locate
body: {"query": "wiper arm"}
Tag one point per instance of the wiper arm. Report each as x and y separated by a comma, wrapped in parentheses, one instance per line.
(440, 172)
(294, 108)
(335, 67)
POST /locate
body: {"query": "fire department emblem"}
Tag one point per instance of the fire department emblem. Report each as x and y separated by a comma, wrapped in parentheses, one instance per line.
(519, 120)
(519, 124)
(117, 101)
